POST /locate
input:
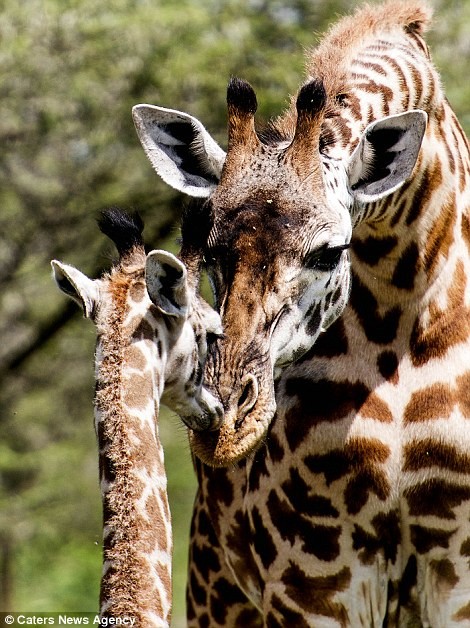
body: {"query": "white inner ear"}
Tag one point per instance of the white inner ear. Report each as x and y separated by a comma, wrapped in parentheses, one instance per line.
(167, 286)
(376, 171)
(77, 286)
(191, 166)
(363, 167)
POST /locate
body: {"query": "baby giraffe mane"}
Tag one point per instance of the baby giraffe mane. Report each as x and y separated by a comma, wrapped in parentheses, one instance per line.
(126, 233)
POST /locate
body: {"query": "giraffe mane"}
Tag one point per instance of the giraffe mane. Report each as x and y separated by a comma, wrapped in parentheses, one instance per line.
(330, 59)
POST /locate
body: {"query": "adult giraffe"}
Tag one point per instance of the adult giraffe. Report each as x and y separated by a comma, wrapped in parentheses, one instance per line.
(351, 506)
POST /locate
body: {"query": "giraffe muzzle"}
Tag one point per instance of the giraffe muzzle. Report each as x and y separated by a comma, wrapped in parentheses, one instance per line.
(207, 417)
(248, 411)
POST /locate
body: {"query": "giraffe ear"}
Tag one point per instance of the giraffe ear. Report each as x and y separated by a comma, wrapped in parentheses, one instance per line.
(179, 148)
(77, 286)
(167, 285)
(386, 155)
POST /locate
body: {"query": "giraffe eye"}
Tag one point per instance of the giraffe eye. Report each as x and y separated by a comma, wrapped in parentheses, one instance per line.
(326, 258)
(212, 337)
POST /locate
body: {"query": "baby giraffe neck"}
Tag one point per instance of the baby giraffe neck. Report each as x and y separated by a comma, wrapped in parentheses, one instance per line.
(137, 539)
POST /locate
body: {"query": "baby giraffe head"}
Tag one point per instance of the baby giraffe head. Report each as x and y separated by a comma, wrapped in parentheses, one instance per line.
(161, 304)
(196, 325)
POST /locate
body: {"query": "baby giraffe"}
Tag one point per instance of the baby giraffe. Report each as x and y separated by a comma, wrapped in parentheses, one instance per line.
(152, 332)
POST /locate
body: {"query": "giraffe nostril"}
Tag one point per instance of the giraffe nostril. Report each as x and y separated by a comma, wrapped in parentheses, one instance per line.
(217, 418)
(248, 395)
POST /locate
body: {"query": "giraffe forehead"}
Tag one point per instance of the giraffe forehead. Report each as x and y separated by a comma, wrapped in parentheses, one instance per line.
(280, 200)
(272, 171)
(268, 226)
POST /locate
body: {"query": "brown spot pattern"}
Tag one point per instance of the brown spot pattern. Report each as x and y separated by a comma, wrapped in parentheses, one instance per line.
(386, 539)
(463, 614)
(145, 331)
(462, 394)
(408, 582)
(465, 548)
(287, 616)
(360, 462)
(360, 459)
(300, 495)
(372, 250)
(319, 540)
(433, 402)
(133, 356)
(375, 408)
(436, 498)
(263, 544)
(407, 268)
(387, 363)
(445, 572)
(332, 402)
(425, 539)
(317, 402)
(137, 391)
(465, 227)
(422, 454)
(438, 401)
(333, 342)
(224, 596)
(316, 594)
(440, 237)
(378, 328)
(430, 179)
(446, 328)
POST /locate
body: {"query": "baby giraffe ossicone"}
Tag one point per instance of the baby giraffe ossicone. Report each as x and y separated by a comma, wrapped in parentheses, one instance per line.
(152, 332)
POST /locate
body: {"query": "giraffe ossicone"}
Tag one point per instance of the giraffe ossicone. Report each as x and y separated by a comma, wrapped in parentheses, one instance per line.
(352, 507)
(152, 332)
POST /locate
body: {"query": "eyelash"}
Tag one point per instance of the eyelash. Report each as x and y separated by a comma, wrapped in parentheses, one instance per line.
(326, 258)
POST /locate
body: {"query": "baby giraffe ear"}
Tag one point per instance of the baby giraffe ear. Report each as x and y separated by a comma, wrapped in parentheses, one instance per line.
(77, 286)
(167, 285)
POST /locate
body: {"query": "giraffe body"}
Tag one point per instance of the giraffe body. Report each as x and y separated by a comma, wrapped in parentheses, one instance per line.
(353, 505)
(151, 343)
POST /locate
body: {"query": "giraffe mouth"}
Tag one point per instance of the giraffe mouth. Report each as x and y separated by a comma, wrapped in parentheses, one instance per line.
(209, 415)
(243, 430)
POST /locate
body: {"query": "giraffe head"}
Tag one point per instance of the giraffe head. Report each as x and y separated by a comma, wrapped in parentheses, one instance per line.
(169, 311)
(199, 325)
(278, 225)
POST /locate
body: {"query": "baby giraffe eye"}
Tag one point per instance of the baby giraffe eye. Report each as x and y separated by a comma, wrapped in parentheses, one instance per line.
(212, 337)
(326, 258)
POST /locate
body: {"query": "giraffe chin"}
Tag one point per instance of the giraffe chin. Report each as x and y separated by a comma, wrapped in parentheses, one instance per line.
(232, 442)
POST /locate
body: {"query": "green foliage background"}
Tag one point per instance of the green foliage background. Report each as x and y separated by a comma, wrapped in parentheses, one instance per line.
(71, 71)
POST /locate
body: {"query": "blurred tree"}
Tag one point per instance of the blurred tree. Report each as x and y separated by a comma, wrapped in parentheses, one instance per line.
(72, 69)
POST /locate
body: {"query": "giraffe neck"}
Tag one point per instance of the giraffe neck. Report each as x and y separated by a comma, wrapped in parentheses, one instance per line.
(412, 246)
(136, 578)
(411, 249)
